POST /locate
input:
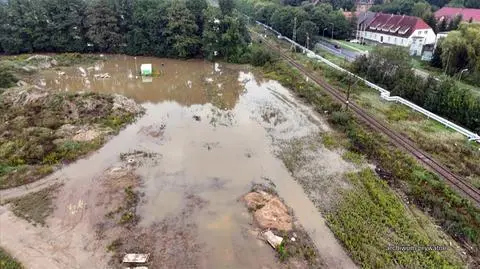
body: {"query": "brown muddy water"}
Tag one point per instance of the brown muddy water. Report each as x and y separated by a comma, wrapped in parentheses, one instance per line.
(215, 129)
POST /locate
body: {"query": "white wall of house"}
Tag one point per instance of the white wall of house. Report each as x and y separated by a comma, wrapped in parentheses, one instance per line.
(386, 39)
(428, 35)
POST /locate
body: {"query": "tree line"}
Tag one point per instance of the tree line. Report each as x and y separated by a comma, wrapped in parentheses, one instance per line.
(163, 28)
(312, 20)
(391, 68)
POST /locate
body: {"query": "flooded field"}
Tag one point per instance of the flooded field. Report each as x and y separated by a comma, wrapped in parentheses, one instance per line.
(210, 132)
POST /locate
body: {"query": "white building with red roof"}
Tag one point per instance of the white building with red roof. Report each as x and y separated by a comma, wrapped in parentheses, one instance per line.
(399, 30)
(449, 13)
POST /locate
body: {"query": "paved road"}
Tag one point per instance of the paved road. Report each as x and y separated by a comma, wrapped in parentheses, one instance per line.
(342, 52)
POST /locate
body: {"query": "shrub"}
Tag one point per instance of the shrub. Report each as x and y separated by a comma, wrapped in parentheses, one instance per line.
(259, 55)
(7, 79)
(340, 118)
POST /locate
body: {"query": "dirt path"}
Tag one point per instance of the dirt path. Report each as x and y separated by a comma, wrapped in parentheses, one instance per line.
(38, 185)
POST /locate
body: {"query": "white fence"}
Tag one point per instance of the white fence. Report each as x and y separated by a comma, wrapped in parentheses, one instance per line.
(384, 94)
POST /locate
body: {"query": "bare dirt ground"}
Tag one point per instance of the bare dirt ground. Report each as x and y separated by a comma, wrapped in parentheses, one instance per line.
(199, 161)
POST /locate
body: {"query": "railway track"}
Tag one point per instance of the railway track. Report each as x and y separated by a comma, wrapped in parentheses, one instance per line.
(465, 188)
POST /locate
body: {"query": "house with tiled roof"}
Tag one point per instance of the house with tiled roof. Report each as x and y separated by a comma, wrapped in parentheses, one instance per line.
(398, 30)
(449, 13)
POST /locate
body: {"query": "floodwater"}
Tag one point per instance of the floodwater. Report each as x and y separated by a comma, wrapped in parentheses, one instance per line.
(214, 128)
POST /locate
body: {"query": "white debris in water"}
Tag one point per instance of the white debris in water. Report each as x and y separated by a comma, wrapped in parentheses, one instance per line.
(83, 71)
(104, 75)
(189, 84)
(293, 239)
(272, 239)
(217, 67)
(219, 85)
(209, 80)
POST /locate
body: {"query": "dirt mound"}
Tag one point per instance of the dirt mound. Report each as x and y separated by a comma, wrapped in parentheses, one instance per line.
(41, 61)
(41, 129)
(126, 104)
(269, 211)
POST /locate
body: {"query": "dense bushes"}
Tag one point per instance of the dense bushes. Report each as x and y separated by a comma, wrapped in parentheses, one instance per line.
(161, 28)
(390, 67)
(260, 56)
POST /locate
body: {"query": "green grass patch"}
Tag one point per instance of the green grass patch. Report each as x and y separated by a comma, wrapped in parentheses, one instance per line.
(69, 59)
(35, 207)
(371, 218)
(114, 245)
(7, 77)
(353, 46)
(354, 157)
(8, 262)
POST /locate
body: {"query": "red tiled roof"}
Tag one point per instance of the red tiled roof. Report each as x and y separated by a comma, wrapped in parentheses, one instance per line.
(396, 25)
(452, 12)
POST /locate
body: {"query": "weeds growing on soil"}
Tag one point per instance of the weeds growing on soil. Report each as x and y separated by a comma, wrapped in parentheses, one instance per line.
(35, 207)
(32, 141)
(370, 218)
(7, 262)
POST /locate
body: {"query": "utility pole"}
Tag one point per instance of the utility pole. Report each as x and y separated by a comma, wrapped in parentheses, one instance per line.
(294, 38)
(347, 102)
(332, 28)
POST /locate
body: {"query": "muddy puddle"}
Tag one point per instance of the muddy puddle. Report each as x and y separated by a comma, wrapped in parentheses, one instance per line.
(213, 130)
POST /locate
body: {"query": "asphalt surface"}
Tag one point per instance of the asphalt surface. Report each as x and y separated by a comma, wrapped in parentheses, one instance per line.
(340, 52)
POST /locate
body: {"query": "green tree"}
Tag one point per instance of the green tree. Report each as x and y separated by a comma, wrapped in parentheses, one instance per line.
(234, 38)
(181, 31)
(437, 57)
(264, 12)
(226, 6)
(421, 9)
(66, 31)
(453, 25)
(197, 7)
(283, 19)
(306, 29)
(472, 3)
(212, 33)
(442, 26)
(147, 33)
(461, 49)
(102, 24)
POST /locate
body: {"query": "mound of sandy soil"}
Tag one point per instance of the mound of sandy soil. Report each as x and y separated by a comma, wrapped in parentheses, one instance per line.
(269, 211)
